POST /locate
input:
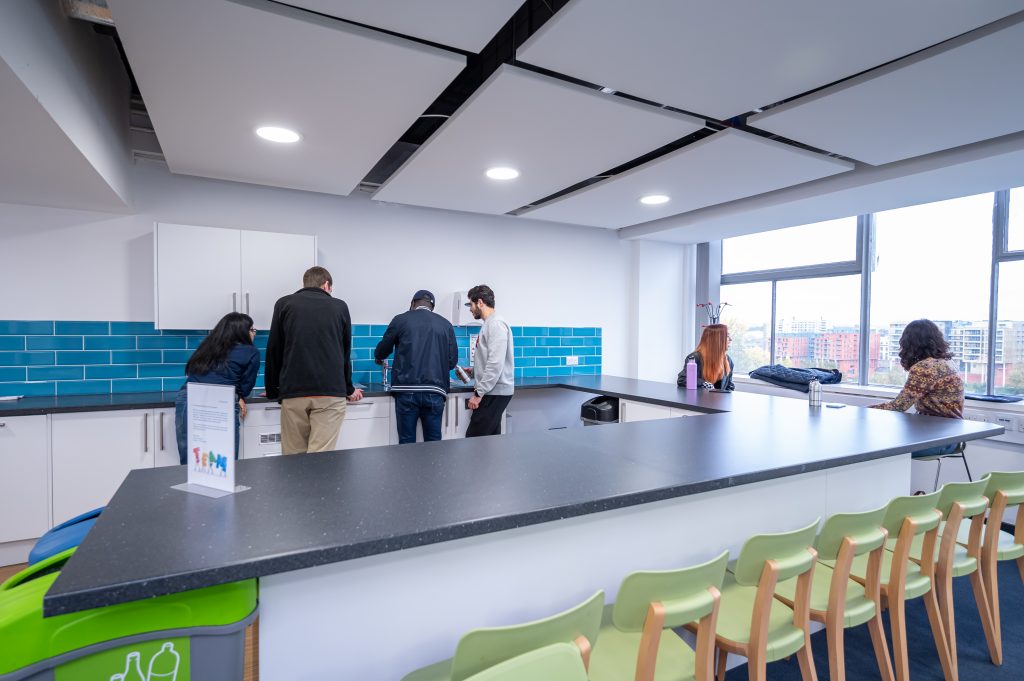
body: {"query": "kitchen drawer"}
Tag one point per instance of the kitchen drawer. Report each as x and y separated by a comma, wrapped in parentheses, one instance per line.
(263, 415)
(369, 408)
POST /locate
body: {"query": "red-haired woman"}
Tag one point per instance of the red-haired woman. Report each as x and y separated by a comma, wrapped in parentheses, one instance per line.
(714, 366)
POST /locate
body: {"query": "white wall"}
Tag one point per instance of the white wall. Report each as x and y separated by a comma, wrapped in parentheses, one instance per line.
(79, 265)
(662, 285)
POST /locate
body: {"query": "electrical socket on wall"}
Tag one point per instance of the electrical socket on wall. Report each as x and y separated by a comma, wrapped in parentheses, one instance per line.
(572, 361)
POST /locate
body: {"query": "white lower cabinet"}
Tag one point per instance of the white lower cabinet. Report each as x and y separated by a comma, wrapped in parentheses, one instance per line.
(92, 454)
(165, 440)
(641, 411)
(24, 477)
(367, 424)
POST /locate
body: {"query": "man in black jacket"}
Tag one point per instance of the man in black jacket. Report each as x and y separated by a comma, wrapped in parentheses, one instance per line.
(309, 370)
(425, 351)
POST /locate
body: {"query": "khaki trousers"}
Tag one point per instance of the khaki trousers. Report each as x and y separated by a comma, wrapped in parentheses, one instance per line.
(311, 424)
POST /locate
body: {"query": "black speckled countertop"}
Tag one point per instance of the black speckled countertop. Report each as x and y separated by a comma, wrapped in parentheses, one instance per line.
(64, 404)
(315, 509)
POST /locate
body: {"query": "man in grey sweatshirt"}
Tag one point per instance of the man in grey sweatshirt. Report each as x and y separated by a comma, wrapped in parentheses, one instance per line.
(493, 365)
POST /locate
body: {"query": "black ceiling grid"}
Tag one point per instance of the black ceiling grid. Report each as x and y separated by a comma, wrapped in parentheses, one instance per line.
(479, 67)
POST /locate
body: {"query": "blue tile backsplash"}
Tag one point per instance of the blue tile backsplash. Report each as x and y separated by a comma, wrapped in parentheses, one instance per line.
(88, 357)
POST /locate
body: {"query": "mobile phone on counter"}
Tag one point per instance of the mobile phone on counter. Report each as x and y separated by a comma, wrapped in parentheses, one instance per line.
(461, 373)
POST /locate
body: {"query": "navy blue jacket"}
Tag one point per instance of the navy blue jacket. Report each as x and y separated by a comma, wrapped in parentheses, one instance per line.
(240, 370)
(425, 351)
(794, 378)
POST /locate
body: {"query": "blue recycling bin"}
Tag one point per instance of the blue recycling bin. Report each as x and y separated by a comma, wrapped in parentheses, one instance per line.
(69, 534)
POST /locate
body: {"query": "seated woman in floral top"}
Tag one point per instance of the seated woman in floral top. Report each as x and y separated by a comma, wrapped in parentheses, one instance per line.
(933, 386)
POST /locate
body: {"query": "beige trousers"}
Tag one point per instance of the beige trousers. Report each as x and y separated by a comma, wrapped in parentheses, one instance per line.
(311, 424)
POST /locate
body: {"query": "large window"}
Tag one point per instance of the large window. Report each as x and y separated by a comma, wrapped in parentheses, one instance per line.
(817, 324)
(798, 296)
(1009, 360)
(1016, 228)
(794, 297)
(925, 268)
(822, 242)
(749, 316)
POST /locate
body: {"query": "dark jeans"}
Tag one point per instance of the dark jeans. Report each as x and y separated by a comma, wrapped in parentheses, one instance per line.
(486, 419)
(935, 451)
(423, 407)
(181, 425)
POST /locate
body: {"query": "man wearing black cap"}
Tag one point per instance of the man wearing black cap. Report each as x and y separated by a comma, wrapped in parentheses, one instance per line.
(425, 351)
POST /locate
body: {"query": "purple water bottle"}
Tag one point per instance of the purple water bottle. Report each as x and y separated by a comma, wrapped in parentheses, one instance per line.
(691, 375)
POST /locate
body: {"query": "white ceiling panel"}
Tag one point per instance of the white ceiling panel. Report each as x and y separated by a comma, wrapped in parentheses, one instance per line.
(211, 71)
(555, 133)
(725, 166)
(722, 59)
(464, 24)
(964, 92)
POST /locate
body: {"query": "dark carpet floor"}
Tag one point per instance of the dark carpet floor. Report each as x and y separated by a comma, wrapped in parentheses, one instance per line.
(924, 661)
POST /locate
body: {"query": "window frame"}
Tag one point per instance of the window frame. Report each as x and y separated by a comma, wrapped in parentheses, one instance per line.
(863, 263)
(831, 269)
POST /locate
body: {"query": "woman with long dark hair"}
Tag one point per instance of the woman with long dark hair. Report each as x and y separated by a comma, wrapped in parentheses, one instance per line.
(714, 366)
(225, 357)
(933, 387)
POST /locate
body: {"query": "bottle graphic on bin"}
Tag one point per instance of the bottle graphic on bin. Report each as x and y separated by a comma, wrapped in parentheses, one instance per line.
(132, 668)
(164, 665)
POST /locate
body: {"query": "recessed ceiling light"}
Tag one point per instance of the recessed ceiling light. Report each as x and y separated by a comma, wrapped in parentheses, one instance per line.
(276, 134)
(654, 199)
(502, 173)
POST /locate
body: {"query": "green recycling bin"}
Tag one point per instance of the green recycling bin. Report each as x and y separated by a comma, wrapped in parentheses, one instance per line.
(192, 636)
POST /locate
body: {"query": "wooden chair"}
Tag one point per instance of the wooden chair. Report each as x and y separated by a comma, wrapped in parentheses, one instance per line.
(960, 501)
(556, 662)
(751, 622)
(1004, 491)
(902, 579)
(631, 643)
(482, 649)
(840, 602)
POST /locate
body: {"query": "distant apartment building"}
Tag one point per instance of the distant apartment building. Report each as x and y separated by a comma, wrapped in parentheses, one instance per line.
(794, 325)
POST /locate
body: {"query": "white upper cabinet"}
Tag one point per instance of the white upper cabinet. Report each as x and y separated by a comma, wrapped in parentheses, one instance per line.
(272, 266)
(198, 275)
(202, 273)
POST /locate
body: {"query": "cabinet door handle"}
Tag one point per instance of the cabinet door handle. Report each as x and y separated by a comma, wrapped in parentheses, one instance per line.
(457, 410)
(247, 303)
(161, 431)
(145, 432)
(234, 301)
(3, 424)
(272, 409)
(446, 410)
(360, 403)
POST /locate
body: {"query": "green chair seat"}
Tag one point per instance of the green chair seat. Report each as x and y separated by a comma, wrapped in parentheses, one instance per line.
(784, 638)
(918, 584)
(858, 609)
(1006, 549)
(614, 656)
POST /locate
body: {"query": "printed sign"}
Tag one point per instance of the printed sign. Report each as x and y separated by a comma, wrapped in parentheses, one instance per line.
(160, 660)
(211, 436)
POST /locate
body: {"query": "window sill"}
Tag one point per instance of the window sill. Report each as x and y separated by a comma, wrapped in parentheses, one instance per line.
(886, 393)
